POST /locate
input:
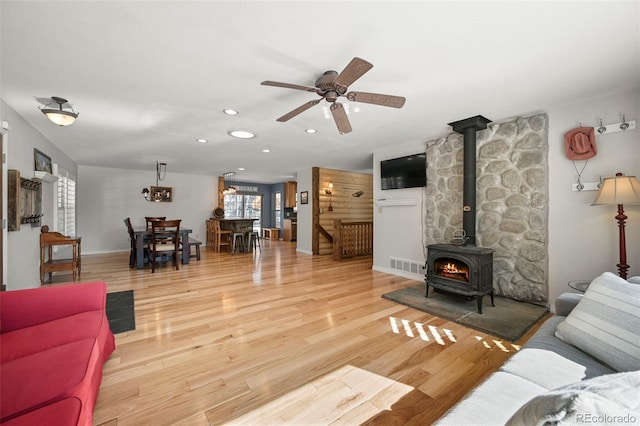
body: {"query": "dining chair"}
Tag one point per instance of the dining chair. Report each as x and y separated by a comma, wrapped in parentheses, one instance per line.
(211, 233)
(222, 236)
(132, 237)
(150, 219)
(165, 241)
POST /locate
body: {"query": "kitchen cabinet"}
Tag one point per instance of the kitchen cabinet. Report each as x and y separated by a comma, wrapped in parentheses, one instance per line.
(290, 189)
(290, 230)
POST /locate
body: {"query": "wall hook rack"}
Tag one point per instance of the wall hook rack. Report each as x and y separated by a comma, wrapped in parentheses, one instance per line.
(621, 126)
(587, 186)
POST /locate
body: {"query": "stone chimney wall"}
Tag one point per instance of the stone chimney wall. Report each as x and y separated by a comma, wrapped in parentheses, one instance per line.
(512, 201)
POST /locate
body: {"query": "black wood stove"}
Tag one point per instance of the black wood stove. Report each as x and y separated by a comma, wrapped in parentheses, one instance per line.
(464, 269)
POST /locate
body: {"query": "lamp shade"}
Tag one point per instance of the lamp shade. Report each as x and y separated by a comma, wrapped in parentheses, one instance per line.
(618, 190)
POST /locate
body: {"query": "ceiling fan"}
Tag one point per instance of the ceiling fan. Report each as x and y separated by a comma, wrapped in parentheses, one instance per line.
(331, 85)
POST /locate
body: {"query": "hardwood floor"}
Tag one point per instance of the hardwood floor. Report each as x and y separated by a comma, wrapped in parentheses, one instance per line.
(281, 338)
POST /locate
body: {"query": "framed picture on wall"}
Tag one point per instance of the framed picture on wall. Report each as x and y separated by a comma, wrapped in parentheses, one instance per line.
(304, 197)
(42, 162)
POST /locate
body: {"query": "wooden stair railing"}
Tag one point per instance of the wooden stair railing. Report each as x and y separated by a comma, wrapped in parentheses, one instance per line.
(352, 239)
(326, 234)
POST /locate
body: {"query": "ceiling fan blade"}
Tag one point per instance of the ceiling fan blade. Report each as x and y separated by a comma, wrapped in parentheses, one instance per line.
(340, 117)
(377, 99)
(353, 71)
(290, 86)
(302, 108)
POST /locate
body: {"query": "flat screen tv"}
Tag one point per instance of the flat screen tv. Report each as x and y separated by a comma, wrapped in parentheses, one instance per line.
(404, 172)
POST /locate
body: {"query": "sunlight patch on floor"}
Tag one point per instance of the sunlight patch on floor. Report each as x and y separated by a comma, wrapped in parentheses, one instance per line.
(433, 333)
(508, 347)
(346, 396)
(442, 336)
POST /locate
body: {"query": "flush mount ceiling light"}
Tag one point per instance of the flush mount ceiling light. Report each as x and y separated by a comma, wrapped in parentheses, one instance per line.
(242, 134)
(229, 111)
(61, 117)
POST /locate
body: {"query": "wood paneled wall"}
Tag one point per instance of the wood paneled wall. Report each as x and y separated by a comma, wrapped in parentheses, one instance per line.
(346, 205)
(220, 193)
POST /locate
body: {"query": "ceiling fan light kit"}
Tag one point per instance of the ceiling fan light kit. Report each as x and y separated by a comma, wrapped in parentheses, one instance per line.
(60, 116)
(331, 85)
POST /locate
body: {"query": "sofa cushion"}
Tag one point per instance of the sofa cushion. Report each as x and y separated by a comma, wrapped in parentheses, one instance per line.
(561, 363)
(60, 413)
(493, 402)
(33, 306)
(611, 398)
(565, 303)
(39, 379)
(605, 323)
(27, 341)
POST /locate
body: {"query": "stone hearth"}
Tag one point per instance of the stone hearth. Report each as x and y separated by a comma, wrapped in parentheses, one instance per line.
(512, 201)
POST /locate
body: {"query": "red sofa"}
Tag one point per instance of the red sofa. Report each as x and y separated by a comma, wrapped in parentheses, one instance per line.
(54, 342)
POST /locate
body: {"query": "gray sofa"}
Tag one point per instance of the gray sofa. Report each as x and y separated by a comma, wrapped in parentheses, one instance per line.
(546, 365)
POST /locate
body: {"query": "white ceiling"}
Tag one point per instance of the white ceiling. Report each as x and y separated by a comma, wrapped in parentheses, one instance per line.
(150, 77)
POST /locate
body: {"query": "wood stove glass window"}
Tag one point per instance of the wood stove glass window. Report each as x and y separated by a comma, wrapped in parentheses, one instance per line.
(454, 269)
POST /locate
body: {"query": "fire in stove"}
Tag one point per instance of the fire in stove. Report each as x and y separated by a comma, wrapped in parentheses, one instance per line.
(452, 270)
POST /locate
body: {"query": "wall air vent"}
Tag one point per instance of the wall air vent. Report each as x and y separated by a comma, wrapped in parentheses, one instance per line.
(406, 265)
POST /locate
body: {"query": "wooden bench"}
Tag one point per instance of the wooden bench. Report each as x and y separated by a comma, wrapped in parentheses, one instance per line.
(194, 243)
(271, 233)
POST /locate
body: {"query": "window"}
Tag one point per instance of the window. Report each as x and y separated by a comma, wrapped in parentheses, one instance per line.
(239, 206)
(277, 202)
(66, 203)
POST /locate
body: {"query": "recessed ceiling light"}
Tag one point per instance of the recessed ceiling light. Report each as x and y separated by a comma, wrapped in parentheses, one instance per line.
(202, 140)
(241, 168)
(310, 131)
(242, 134)
(266, 150)
(229, 111)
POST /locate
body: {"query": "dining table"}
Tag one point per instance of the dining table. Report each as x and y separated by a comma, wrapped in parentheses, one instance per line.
(142, 235)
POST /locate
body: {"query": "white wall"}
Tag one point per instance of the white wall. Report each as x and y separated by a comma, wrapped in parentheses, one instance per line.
(23, 246)
(583, 239)
(305, 213)
(397, 230)
(107, 196)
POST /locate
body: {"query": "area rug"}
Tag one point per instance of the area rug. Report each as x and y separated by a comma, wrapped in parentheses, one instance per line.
(121, 311)
(509, 319)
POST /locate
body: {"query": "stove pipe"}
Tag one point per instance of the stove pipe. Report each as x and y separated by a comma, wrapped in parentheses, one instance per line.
(468, 128)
